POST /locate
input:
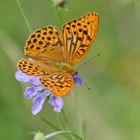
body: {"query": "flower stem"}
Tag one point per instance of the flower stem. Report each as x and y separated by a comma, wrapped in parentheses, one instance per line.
(62, 132)
(23, 13)
(67, 123)
(59, 15)
(66, 119)
(50, 124)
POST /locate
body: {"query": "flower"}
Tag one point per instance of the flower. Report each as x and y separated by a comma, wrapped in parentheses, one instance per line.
(57, 102)
(39, 136)
(39, 92)
(77, 79)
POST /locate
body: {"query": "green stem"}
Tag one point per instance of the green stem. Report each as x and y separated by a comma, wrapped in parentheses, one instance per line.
(23, 13)
(67, 123)
(62, 132)
(53, 126)
(50, 124)
(59, 15)
(65, 119)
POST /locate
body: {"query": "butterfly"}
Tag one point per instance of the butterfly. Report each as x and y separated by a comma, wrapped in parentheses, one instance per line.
(54, 54)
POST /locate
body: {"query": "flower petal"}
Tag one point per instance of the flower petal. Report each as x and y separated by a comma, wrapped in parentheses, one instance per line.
(30, 92)
(35, 80)
(38, 102)
(23, 77)
(41, 87)
(77, 79)
(57, 102)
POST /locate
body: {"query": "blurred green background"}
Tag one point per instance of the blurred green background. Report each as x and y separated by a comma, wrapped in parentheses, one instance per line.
(111, 109)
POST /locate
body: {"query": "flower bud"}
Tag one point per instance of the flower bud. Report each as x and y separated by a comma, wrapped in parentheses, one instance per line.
(39, 136)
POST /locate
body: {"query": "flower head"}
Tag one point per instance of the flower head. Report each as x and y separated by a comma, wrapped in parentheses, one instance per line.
(39, 92)
(77, 79)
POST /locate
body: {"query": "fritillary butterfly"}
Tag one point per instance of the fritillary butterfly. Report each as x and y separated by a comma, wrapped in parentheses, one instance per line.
(55, 55)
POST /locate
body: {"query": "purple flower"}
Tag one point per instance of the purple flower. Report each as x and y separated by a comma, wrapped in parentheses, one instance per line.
(38, 102)
(23, 77)
(57, 102)
(39, 92)
(30, 92)
(77, 79)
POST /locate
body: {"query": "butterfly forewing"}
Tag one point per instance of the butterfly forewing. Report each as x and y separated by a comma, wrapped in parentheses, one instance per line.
(78, 36)
(60, 84)
(45, 44)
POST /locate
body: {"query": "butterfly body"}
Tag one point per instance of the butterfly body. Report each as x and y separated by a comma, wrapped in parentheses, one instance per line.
(55, 54)
(66, 67)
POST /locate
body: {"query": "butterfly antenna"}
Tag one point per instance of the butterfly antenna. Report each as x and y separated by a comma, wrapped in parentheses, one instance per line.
(86, 86)
(89, 60)
(24, 16)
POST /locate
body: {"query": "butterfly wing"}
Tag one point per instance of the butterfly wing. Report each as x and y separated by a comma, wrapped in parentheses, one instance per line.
(60, 84)
(78, 36)
(45, 45)
(30, 67)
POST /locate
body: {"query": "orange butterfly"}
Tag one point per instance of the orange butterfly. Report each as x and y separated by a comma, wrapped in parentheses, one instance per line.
(55, 55)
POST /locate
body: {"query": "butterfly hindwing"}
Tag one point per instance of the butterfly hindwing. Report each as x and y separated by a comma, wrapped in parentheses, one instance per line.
(30, 67)
(78, 36)
(60, 84)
